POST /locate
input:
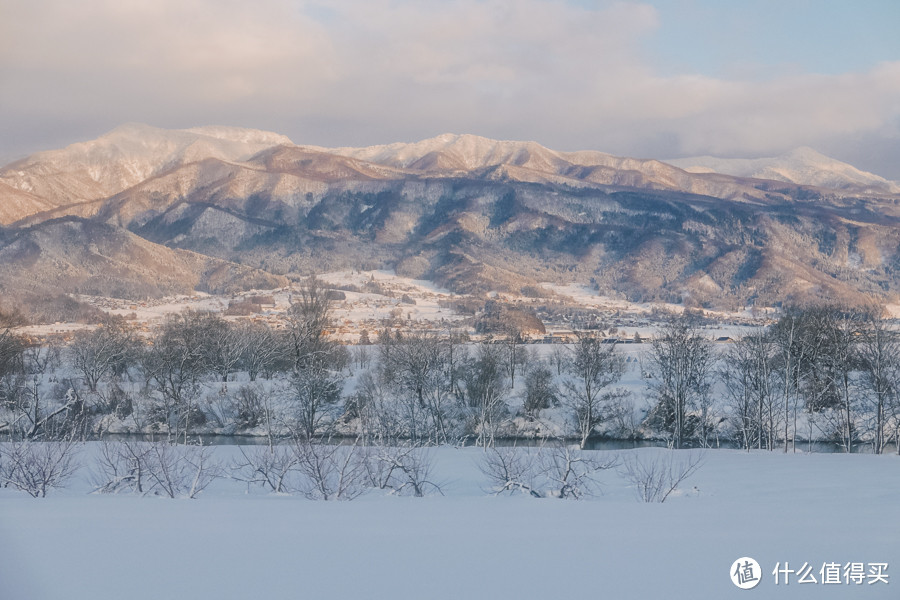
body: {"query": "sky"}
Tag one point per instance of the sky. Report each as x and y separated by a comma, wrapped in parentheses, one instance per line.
(654, 78)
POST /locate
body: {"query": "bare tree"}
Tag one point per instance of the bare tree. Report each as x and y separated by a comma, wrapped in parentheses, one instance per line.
(12, 371)
(655, 477)
(308, 321)
(11, 344)
(336, 472)
(842, 359)
(680, 364)
(880, 361)
(106, 350)
(181, 470)
(380, 416)
(175, 364)
(417, 366)
(572, 472)
(224, 346)
(40, 415)
(315, 385)
(540, 391)
(592, 366)
(792, 355)
(415, 362)
(123, 467)
(400, 469)
(315, 392)
(559, 358)
(37, 467)
(159, 468)
(818, 360)
(560, 471)
(513, 341)
(457, 356)
(275, 468)
(330, 471)
(485, 391)
(248, 407)
(748, 372)
(41, 359)
(361, 356)
(264, 352)
(113, 401)
(511, 469)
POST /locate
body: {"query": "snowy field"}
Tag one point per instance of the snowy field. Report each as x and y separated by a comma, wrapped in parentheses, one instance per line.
(384, 300)
(466, 544)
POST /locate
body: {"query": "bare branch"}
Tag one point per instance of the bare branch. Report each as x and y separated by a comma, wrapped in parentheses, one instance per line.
(656, 476)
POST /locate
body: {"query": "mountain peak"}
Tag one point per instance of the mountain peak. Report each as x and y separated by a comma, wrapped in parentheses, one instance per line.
(448, 151)
(804, 151)
(242, 135)
(126, 156)
(132, 128)
(809, 155)
(148, 134)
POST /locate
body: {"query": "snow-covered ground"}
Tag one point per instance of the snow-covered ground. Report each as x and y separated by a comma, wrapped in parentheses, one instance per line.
(154, 311)
(385, 277)
(384, 295)
(228, 543)
(361, 307)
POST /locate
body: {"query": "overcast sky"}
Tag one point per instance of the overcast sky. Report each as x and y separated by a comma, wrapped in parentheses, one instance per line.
(661, 78)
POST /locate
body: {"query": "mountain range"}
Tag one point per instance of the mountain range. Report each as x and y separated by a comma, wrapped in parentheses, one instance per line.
(143, 211)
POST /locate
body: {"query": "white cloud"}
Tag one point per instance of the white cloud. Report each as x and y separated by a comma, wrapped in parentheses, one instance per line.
(366, 71)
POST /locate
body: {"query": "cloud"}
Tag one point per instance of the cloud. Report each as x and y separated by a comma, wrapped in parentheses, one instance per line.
(170, 52)
(571, 75)
(759, 117)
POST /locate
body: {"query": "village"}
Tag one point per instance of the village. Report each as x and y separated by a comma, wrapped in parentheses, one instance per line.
(366, 302)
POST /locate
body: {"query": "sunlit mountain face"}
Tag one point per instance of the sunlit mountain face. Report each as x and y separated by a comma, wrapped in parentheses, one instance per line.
(146, 211)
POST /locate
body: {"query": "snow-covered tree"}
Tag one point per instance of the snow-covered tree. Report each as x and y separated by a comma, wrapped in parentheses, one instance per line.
(680, 364)
(592, 366)
(107, 350)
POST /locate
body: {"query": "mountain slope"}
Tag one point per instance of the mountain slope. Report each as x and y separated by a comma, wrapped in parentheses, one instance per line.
(82, 256)
(17, 204)
(122, 158)
(220, 208)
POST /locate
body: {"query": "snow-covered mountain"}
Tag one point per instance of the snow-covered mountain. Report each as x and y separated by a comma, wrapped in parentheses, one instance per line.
(458, 152)
(238, 163)
(471, 213)
(126, 156)
(455, 152)
(454, 155)
(90, 257)
(802, 166)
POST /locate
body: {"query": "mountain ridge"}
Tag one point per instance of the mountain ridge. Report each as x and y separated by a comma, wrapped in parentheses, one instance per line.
(802, 166)
(468, 212)
(122, 158)
(131, 154)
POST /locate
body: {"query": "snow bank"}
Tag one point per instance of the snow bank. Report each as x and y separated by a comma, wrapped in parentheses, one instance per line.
(465, 544)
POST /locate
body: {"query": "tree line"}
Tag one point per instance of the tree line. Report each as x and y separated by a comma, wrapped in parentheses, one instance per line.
(831, 370)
